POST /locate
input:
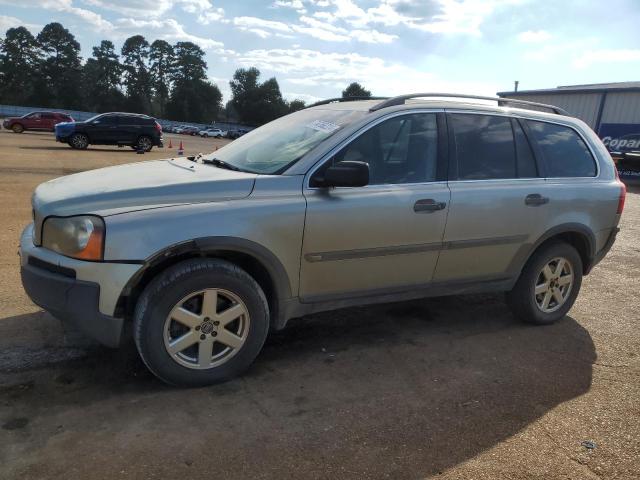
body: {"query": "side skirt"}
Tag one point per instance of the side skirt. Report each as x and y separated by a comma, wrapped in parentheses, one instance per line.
(297, 307)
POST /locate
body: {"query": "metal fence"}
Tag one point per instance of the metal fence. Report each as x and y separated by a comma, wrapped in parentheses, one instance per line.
(16, 111)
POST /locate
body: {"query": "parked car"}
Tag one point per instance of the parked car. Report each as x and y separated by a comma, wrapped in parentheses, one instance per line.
(36, 121)
(236, 133)
(189, 130)
(337, 205)
(140, 132)
(212, 132)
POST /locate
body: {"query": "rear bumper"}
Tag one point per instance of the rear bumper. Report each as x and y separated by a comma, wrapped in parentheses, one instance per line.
(73, 301)
(604, 250)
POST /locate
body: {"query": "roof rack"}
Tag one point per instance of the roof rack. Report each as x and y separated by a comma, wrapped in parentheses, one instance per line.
(400, 100)
(347, 99)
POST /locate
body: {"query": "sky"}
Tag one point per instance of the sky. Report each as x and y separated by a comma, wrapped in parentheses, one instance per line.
(315, 48)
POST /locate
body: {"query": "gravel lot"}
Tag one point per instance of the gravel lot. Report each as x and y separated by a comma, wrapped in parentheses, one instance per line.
(451, 387)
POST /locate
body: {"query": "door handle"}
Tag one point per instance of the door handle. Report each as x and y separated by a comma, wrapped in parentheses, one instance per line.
(428, 205)
(535, 200)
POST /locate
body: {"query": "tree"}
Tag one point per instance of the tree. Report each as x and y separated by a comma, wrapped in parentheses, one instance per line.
(61, 67)
(295, 105)
(101, 77)
(162, 59)
(192, 96)
(137, 79)
(355, 90)
(256, 103)
(19, 61)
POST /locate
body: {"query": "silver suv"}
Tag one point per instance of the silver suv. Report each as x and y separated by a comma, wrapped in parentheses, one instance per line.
(344, 203)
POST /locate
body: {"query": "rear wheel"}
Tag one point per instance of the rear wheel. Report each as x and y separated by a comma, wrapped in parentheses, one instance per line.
(548, 285)
(79, 141)
(144, 143)
(201, 322)
(17, 128)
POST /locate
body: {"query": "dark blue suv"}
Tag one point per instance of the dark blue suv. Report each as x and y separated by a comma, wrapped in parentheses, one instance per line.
(139, 132)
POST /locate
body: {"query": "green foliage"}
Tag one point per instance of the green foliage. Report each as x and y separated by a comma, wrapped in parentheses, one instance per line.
(162, 58)
(61, 67)
(254, 102)
(169, 81)
(137, 78)
(101, 80)
(19, 63)
(355, 90)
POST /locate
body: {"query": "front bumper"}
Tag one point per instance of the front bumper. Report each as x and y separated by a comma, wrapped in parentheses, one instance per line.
(83, 293)
(73, 301)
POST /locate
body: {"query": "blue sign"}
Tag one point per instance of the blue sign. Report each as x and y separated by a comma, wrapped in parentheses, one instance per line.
(623, 142)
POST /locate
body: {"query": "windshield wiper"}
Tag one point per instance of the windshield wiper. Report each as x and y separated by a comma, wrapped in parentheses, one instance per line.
(221, 164)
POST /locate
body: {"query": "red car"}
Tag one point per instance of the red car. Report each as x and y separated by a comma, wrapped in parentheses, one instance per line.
(36, 121)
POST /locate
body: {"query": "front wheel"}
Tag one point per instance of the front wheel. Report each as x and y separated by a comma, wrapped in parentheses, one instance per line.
(201, 322)
(79, 141)
(548, 285)
(17, 128)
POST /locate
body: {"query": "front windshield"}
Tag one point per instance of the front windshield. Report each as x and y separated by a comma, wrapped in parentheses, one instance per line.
(93, 118)
(277, 145)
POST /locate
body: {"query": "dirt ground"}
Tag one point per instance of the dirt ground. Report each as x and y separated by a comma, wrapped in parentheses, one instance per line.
(448, 387)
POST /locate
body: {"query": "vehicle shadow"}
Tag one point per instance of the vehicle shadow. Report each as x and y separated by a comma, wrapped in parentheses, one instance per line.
(402, 390)
(66, 147)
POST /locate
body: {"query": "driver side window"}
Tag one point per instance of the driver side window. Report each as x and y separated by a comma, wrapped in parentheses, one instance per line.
(403, 149)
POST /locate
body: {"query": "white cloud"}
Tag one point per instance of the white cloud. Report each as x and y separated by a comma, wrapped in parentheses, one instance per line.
(311, 68)
(169, 30)
(12, 22)
(295, 4)
(534, 36)
(451, 16)
(590, 57)
(309, 26)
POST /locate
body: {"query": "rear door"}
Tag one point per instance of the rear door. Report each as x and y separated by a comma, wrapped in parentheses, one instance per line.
(385, 236)
(499, 200)
(48, 121)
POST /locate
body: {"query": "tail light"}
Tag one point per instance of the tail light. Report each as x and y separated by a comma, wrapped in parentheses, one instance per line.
(623, 194)
(158, 127)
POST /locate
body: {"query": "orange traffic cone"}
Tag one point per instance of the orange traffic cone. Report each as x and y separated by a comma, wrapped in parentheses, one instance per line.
(180, 149)
(170, 144)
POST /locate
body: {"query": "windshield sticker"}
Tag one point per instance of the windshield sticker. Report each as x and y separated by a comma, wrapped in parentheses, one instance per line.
(323, 126)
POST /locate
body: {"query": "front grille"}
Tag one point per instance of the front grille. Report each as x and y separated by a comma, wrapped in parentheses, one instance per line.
(50, 267)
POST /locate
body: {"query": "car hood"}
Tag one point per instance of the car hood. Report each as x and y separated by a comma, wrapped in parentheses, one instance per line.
(138, 186)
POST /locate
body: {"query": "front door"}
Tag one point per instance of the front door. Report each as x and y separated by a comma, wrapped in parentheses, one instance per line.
(499, 201)
(104, 129)
(386, 235)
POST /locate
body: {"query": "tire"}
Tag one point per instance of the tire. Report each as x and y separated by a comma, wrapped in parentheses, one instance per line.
(144, 143)
(79, 141)
(17, 128)
(529, 306)
(154, 323)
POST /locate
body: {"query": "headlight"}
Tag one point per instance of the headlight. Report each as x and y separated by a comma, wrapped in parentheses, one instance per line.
(78, 237)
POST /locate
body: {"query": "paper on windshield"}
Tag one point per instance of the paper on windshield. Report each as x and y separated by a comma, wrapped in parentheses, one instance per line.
(323, 126)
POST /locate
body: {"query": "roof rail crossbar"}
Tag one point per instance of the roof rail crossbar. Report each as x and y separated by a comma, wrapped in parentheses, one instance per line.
(347, 99)
(400, 100)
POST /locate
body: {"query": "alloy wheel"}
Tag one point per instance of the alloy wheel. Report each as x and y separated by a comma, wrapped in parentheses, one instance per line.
(553, 285)
(206, 328)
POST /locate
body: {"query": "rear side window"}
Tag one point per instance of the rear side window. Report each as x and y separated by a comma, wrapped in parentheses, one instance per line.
(565, 153)
(484, 146)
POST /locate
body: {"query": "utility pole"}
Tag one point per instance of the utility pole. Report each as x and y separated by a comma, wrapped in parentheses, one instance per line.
(516, 85)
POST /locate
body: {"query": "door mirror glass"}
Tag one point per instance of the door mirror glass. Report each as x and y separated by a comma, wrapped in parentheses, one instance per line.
(348, 173)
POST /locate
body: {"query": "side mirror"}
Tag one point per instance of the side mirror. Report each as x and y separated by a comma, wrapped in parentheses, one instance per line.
(347, 174)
